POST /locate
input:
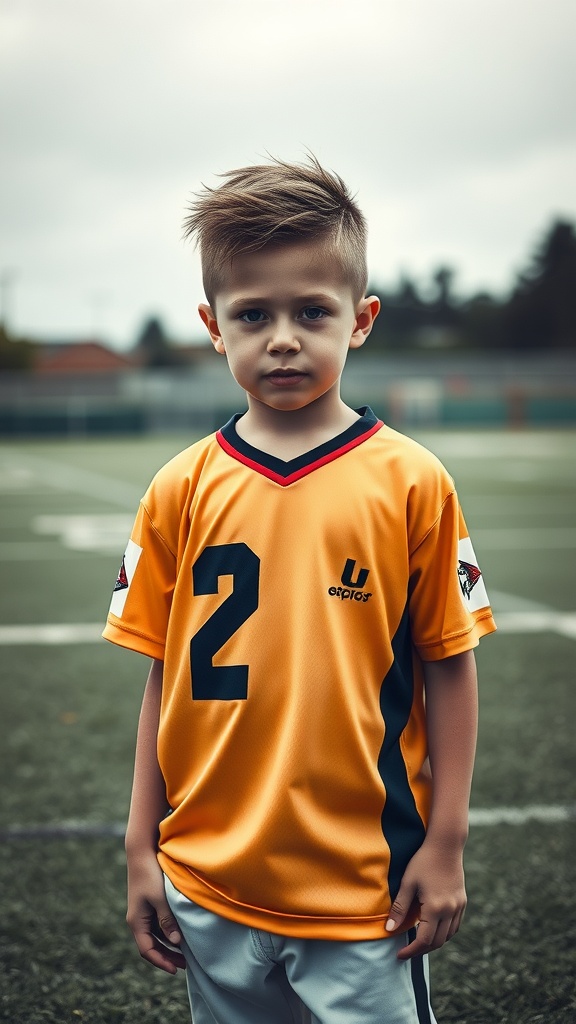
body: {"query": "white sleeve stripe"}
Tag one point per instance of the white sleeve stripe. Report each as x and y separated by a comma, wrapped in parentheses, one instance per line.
(472, 589)
(131, 557)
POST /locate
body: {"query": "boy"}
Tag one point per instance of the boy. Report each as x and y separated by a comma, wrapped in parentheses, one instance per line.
(300, 580)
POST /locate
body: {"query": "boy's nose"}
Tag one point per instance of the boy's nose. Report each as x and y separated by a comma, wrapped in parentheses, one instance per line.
(283, 339)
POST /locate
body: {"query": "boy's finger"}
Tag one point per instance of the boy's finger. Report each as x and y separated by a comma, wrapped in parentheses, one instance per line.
(455, 925)
(169, 926)
(420, 945)
(156, 953)
(173, 957)
(399, 909)
(429, 936)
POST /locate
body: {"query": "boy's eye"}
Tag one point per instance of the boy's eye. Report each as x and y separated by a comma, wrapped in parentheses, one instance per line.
(252, 316)
(313, 313)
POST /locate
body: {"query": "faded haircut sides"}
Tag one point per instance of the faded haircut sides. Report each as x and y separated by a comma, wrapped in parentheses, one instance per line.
(277, 204)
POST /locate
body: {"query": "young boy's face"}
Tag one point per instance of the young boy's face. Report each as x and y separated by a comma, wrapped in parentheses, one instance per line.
(285, 318)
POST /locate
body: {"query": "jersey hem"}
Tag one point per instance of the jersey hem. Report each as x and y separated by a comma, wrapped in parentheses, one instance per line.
(344, 929)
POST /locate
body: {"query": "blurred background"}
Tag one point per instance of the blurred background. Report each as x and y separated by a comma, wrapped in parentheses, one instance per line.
(453, 123)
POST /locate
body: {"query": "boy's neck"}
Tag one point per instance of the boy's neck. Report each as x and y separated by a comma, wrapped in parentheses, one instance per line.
(287, 435)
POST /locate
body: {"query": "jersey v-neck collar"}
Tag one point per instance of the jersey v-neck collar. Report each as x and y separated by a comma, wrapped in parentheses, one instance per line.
(286, 473)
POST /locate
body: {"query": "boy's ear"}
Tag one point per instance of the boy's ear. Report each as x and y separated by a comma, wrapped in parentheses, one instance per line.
(366, 312)
(209, 320)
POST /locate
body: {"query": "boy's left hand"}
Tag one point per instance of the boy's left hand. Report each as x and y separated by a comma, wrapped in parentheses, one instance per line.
(434, 882)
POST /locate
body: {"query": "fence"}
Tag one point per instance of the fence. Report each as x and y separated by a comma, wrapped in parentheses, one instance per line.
(443, 390)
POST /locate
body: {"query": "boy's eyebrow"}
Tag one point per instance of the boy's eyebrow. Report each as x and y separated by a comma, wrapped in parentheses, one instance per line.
(313, 299)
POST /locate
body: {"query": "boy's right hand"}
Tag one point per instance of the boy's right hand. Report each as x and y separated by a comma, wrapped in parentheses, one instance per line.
(149, 916)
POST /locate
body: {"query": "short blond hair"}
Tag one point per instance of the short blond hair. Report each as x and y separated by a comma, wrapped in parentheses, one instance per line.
(277, 204)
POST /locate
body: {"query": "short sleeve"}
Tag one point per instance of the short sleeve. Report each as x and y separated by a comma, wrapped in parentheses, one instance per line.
(449, 607)
(142, 597)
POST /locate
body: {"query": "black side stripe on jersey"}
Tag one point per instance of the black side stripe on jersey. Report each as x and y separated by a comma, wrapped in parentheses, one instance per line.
(401, 823)
(286, 473)
(420, 985)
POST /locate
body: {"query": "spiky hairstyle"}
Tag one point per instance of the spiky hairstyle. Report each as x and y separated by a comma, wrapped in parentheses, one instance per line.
(276, 204)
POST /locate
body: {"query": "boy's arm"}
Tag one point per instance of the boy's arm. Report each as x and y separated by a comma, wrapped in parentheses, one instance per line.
(148, 910)
(434, 878)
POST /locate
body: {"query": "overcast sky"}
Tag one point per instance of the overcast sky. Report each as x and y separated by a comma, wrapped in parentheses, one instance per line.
(453, 121)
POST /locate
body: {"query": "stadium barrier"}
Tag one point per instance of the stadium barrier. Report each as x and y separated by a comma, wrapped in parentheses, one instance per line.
(446, 391)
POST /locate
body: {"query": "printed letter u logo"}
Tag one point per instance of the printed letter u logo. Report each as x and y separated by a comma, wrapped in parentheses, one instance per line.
(346, 577)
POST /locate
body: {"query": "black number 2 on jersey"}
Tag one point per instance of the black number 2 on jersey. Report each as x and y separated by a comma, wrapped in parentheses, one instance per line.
(223, 682)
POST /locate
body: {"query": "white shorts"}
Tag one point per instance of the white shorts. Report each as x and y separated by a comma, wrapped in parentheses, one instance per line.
(242, 975)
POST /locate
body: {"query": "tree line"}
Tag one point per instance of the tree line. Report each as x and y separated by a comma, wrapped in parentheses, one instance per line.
(538, 313)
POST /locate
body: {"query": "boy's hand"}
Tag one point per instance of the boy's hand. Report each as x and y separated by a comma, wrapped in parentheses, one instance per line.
(149, 916)
(434, 882)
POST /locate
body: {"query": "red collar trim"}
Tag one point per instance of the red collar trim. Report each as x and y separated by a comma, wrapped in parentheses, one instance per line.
(285, 481)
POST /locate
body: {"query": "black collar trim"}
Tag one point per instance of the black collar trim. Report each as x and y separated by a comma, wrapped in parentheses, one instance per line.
(286, 473)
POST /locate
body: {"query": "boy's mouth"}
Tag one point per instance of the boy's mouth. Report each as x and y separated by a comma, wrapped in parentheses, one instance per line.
(285, 377)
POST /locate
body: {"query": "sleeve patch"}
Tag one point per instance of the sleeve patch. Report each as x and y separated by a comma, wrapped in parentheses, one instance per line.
(125, 577)
(472, 589)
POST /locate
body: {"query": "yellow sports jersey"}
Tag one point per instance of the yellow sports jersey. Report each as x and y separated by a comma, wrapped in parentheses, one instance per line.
(293, 604)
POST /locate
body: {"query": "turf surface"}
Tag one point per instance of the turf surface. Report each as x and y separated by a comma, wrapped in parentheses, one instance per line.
(68, 719)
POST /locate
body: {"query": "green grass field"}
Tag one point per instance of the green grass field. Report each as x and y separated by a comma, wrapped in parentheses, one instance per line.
(69, 706)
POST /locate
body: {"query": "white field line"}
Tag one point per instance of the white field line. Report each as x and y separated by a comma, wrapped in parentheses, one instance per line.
(503, 602)
(563, 623)
(44, 551)
(73, 479)
(57, 634)
(491, 445)
(521, 815)
(479, 816)
(107, 533)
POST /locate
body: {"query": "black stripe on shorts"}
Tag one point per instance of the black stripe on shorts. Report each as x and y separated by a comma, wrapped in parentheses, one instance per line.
(420, 986)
